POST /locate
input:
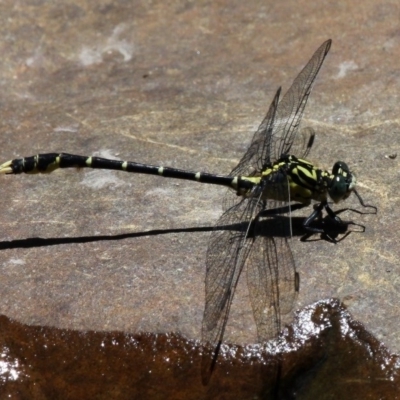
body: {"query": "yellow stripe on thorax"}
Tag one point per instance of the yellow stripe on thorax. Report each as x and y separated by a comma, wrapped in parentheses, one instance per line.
(300, 183)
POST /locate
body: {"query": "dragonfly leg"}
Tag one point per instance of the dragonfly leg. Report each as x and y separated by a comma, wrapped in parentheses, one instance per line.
(317, 214)
(330, 230)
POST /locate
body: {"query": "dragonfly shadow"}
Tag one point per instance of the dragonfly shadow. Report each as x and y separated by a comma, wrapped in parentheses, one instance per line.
(268, 227)
(278, 223)
(43, 242)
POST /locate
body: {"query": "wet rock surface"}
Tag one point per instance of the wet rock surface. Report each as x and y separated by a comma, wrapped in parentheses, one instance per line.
(325, 354)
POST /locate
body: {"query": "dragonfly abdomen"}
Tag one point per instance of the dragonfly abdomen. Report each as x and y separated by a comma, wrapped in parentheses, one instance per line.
(47, 163)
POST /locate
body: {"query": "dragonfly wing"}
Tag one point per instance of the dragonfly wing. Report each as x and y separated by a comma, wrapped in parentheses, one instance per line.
(271, 276)
(271, 270)
(277, 134)
(303, 142)
(229, 246)
(253, 159)
(290, 109)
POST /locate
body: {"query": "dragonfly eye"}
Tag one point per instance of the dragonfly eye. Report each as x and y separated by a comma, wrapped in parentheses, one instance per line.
(341, 168)
(342, 182)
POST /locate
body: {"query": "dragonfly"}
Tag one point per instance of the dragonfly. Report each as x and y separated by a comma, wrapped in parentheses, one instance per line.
(272, 174)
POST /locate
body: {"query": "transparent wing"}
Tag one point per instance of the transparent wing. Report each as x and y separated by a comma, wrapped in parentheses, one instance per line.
(290, 109)
(227, 252)
(271, 274)
(277, 133)
(303, 142)
(253, 160)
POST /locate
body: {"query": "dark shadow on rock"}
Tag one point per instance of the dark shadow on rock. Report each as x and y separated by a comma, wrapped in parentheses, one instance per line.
(267, 227)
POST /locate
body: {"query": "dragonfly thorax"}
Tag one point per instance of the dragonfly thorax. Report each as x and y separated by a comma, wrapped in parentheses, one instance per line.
(295, 179)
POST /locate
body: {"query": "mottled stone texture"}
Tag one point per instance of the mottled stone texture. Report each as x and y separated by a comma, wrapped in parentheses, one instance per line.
(185, 84)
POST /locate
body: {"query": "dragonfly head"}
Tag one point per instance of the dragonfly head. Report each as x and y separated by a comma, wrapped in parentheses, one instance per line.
(342, 182)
